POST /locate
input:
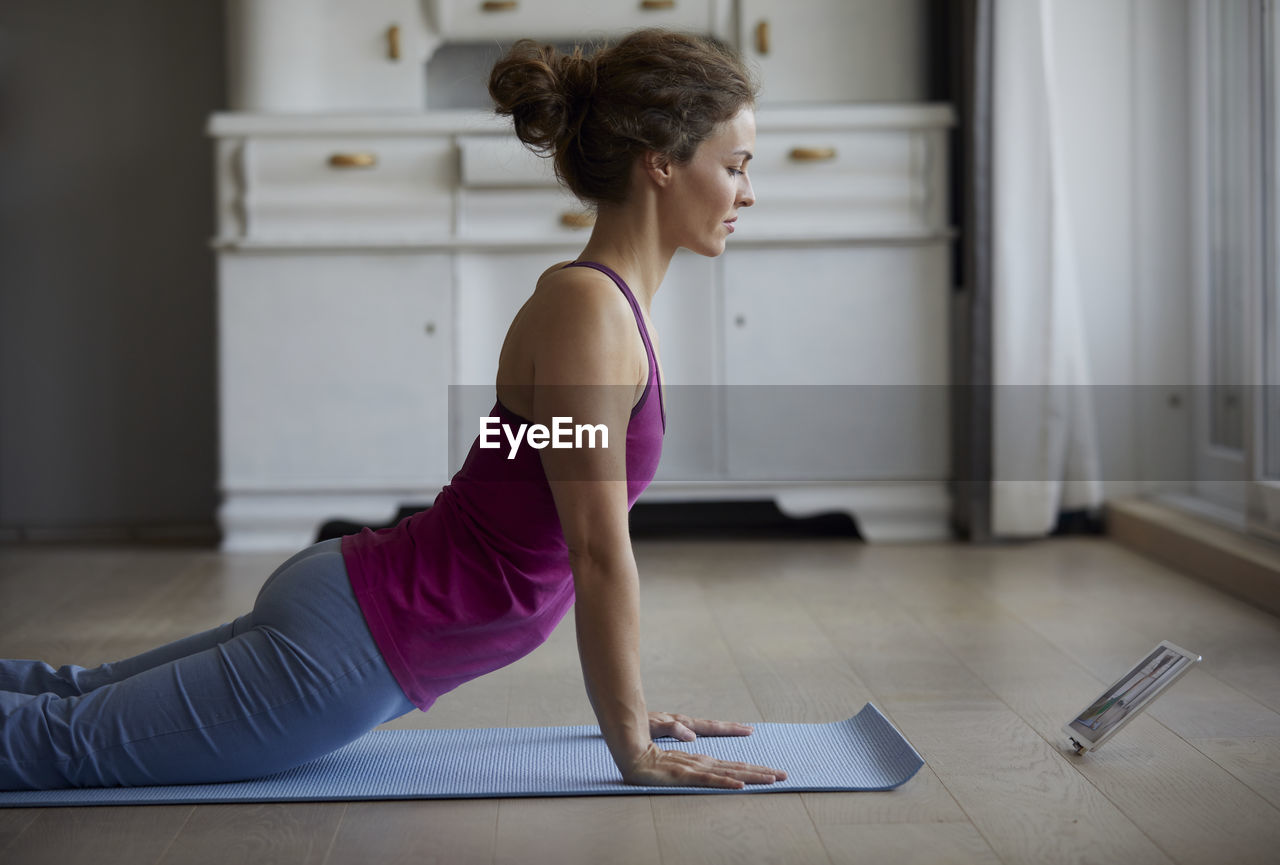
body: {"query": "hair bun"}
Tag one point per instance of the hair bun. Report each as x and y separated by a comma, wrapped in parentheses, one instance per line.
(654, 91)
(578, 79)
(546, 92)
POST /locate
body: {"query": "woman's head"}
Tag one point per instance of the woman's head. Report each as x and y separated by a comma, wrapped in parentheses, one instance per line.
(652, 92)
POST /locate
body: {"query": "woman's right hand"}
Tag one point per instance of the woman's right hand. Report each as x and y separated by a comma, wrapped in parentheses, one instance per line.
(658, 768)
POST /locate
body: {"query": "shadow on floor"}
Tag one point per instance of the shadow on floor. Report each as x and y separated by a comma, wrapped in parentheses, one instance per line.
(665, 520)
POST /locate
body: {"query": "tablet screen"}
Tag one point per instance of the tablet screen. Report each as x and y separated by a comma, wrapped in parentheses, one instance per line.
(1138, 686)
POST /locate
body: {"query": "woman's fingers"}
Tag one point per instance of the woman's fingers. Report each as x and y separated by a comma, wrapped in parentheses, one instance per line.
(748, 772)
(711, 779)
(681, 769)
(686, 729)
(675, 726)
(705, 727)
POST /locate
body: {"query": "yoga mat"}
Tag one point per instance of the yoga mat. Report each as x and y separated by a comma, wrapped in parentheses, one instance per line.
(864, 752)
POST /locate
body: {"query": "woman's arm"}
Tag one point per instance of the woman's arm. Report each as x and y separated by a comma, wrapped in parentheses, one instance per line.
(584, 350)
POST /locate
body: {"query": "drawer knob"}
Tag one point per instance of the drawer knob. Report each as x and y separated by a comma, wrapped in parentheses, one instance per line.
(762, 37)
(353, 160)
(657, 5)
(499, 5)
(577, 219)
(393, 42)
(740, 320)
(430, 328)
(812, 154)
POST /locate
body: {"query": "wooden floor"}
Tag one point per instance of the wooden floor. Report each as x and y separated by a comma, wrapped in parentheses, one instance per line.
(977, 654)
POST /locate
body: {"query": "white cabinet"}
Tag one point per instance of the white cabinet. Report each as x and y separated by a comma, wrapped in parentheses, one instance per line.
(506, 192)
(836, 363)
(346, 188)
(333, 369)
(875, 181)
(482, 20)
(492, 286)
(359, 337)
(685, 317)
(372, 253)
(335, 55)
(326, 55)
(836, 51)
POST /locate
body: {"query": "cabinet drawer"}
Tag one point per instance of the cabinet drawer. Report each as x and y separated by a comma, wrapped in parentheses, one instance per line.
(461, 20)
(509, 192)
(879, 183)
(546, 215)
(351, 189)
(503, 161)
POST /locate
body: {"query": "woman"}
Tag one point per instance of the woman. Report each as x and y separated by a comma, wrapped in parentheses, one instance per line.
(656, 132)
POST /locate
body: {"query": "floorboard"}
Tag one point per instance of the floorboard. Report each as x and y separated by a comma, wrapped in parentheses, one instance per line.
(416, 833)
(978, 654)
(1153, 776)
(619, 830)
(104, 836)
(294, 834)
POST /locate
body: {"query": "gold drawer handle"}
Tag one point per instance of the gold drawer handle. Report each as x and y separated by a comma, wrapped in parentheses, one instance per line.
(812, 154)
(393, 42)
(657, 5)
(499, 5)
(353, 160)
(577, 219)
(762, 37)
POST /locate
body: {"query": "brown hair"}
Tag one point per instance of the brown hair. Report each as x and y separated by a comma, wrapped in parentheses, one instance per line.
(655, 90)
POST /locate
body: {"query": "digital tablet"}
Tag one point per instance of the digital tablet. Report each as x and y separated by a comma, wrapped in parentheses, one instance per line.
(1129, 695)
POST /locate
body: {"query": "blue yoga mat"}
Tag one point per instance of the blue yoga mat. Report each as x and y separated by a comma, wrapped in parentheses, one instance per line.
(864, 752)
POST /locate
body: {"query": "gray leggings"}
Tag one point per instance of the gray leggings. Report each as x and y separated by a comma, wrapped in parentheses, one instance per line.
(294, 679)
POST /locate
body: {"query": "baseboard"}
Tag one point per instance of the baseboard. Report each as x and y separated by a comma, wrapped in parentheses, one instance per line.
(1239, 564)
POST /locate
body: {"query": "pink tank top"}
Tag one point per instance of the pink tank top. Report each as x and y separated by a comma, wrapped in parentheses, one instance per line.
(482, 577)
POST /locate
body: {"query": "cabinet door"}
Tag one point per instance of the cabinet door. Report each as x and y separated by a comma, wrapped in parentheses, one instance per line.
(836, 363)
(326, 55)
(493, 285)
(334, 369)
(819, 51)
(685, 318)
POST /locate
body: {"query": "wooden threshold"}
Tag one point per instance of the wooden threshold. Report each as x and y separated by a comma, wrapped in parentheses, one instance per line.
(1243, 565)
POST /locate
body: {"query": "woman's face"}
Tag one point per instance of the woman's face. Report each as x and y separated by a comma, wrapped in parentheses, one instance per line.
(707, 191)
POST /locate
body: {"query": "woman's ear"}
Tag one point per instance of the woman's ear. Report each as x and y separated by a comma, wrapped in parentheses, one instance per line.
(657, 166)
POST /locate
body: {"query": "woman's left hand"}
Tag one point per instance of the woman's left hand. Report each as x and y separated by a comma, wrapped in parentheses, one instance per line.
(686, 729)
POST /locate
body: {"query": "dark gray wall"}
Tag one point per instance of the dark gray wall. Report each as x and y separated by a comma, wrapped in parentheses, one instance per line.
(107, 346)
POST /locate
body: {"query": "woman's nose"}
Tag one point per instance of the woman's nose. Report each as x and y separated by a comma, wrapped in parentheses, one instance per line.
(748, 196)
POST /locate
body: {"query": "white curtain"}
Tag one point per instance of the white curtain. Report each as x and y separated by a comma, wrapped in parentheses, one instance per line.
(1044, 439)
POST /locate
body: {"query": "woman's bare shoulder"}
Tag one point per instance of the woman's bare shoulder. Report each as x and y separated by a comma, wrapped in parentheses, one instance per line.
(580, 295)
(561, 276)
(557, 268)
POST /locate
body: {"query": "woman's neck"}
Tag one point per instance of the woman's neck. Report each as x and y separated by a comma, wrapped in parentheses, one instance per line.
(626, 239)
